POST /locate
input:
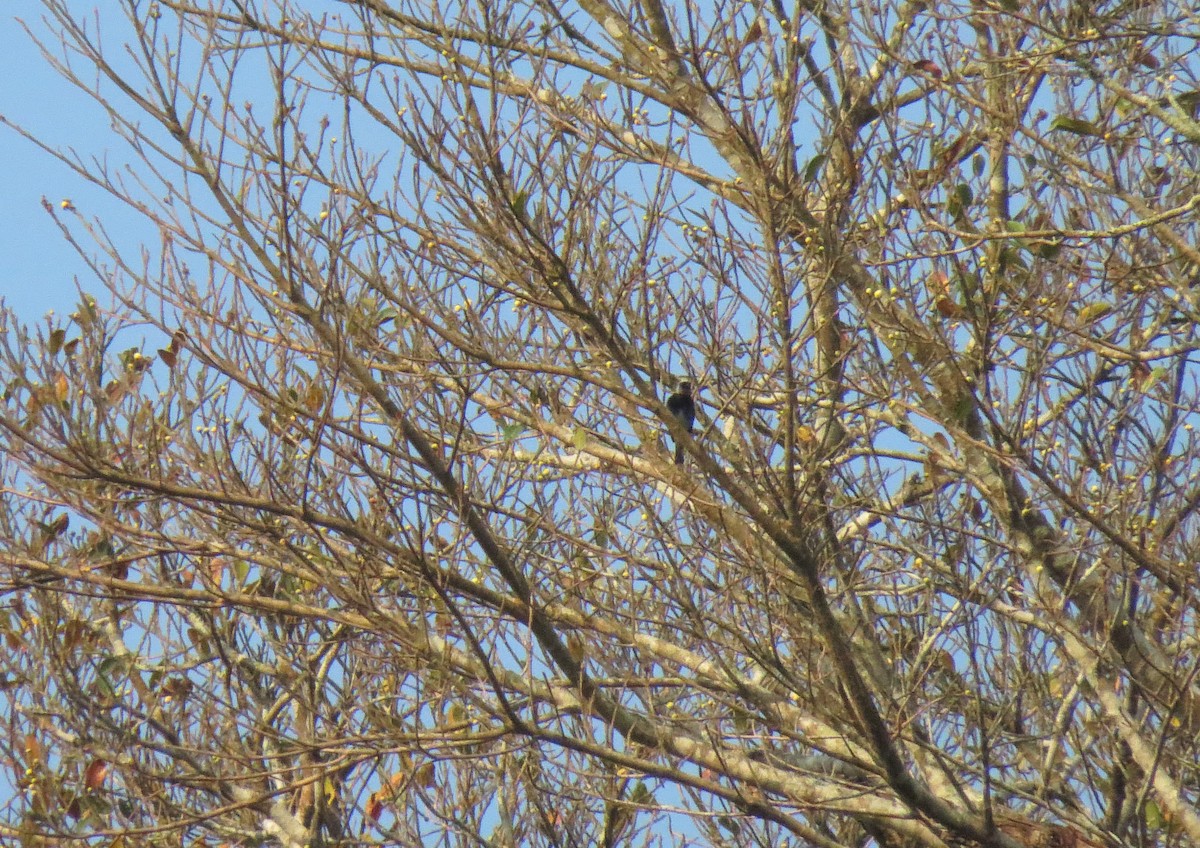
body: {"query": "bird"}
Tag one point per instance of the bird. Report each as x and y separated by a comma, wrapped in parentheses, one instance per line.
(683, 407)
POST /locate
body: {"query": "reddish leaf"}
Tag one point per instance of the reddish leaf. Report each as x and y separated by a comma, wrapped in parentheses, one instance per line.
(950, 157)
(928, 66)
(58, 526)
(33, 751)
(1146, 59)
(115, 390)
(177, 688)
(93, 777)
(948, 308)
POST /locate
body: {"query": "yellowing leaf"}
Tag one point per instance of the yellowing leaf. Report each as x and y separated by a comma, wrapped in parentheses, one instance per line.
(1094, 311)
(575, 647)
(55, 528)
(314, 398)
(1075, 125)
(73, 633)
(425, 776)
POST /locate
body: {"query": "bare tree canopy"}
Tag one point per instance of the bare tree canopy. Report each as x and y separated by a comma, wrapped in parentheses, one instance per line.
(347, 510)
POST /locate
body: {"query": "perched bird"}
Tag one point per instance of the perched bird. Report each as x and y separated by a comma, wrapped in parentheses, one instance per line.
(683, 407)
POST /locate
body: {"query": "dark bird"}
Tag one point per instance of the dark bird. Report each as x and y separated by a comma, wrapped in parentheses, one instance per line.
(683, 407)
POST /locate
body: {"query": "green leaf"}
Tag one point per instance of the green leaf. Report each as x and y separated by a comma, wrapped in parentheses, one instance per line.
(56, 340)
(1156, 376)
(1076, 126)
(105, 671)
(1010, 260)
(593, 89)
(520, 202)
(813, 169)
(600, 536)
(87, 314)
(961, 197)
(1017, 227)
(730, 824)
(579, 438)
(641, 794)
(510, 432)
(1154, 816)
(1047, 249)
(1188, 101)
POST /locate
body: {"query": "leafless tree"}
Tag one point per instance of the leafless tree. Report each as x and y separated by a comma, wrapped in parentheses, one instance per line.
(345, 511)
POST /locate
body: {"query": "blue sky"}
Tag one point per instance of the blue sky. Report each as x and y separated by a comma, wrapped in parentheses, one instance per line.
(40, 270)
